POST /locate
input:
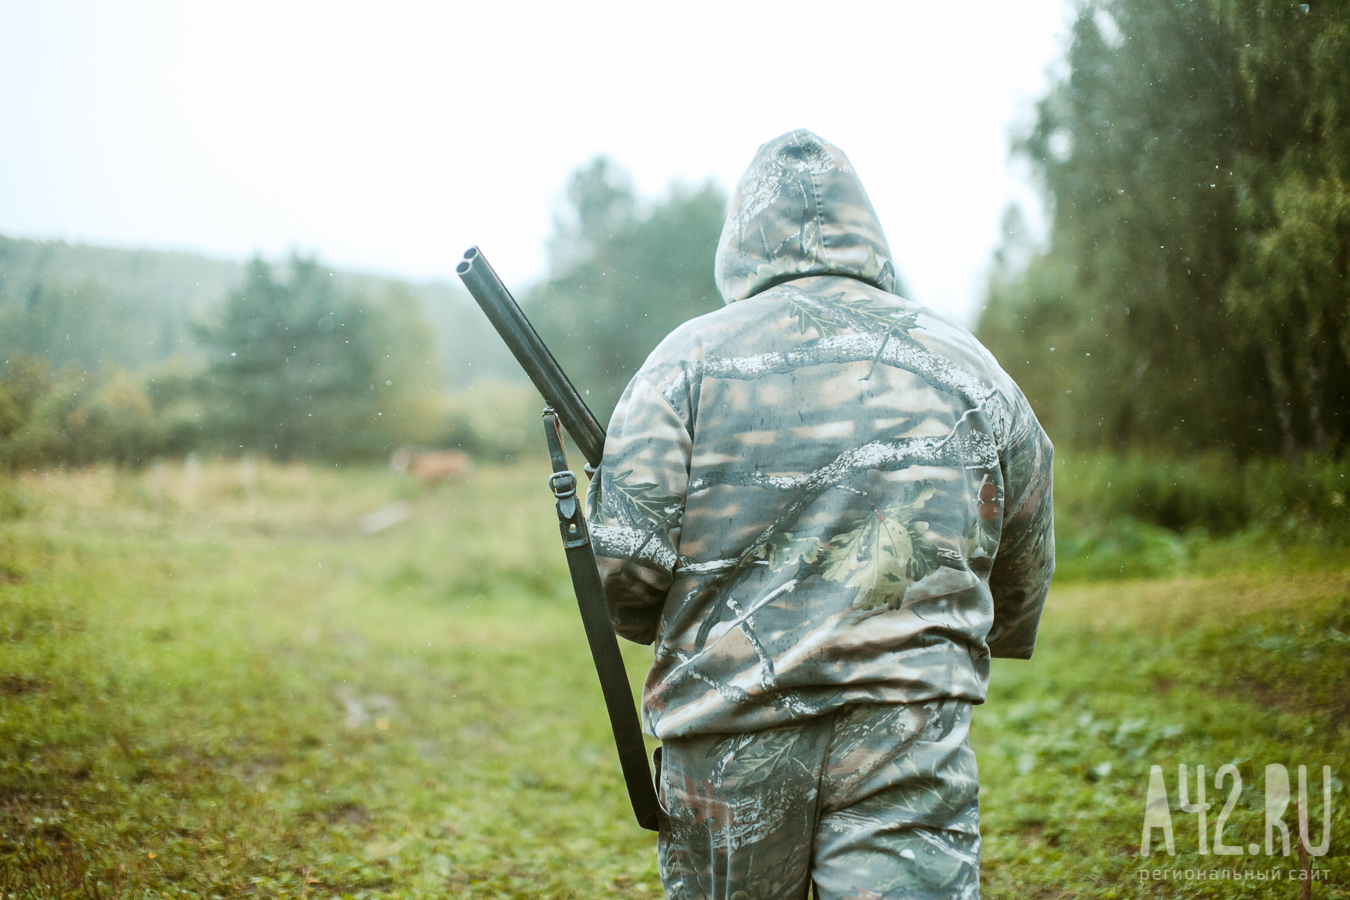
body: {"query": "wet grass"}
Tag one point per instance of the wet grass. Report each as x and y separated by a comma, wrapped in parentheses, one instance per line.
(1243, 670)
(212, 683)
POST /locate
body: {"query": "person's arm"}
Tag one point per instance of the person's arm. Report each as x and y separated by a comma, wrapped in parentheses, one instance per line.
(1026, 555)
(635, 506)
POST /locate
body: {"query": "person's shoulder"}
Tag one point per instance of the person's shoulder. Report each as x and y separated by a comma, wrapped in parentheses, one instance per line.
(966, 350)
(945, 335)
(702, 337)
(992, 387)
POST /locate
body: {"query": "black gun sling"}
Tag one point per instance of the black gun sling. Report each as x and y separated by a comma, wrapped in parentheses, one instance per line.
(623, 717)
(510, 322)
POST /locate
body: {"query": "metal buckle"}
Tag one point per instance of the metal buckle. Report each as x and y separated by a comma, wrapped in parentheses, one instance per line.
(570, 488)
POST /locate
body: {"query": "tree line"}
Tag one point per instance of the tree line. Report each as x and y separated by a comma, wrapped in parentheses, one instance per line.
(1193, 292)
(296, 363)
(290, 366)
(1191, 295)
(622, 277)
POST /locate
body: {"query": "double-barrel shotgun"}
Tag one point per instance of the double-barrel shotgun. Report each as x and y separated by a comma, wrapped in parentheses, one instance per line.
(566, 409)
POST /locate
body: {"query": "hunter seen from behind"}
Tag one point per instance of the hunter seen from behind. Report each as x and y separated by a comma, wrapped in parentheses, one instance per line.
(284, 612)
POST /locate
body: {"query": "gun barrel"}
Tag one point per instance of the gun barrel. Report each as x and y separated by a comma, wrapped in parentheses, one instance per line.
(533, 356)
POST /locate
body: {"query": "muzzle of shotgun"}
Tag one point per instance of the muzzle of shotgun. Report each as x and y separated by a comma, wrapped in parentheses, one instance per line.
(529, 350)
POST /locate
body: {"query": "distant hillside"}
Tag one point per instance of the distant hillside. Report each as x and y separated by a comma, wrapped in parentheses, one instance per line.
(133, 308)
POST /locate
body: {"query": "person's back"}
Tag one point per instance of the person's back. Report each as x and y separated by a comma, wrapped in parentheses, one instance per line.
(828, 506)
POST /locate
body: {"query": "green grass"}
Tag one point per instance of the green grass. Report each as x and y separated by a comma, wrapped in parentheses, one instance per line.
(216, 685)
(1132, 515)
(1242, 670)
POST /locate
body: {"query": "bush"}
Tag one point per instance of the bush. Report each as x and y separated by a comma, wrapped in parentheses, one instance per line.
(1136, 516)
(71, 416)
(1207, 492)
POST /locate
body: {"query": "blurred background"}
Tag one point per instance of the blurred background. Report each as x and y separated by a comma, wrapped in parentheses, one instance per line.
(257, 446)
(167, 172)
(234, 230)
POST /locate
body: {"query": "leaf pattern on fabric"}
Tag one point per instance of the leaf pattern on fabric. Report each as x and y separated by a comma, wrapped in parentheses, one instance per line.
(640, 504)
(839, 314)
(866, 316)
(885, 553)
(785, 549)
(982, 540)
(809, 316)
(757, 758)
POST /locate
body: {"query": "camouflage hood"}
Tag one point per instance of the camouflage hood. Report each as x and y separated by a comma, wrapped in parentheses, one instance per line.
(825, 495)
(800, 210)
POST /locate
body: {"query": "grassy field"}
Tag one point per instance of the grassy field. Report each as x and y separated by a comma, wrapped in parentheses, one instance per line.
(213, 683)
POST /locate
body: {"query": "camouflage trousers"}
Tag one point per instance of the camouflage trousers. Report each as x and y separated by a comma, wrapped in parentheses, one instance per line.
(868, 802)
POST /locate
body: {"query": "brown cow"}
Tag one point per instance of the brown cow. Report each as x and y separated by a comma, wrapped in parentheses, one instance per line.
(442, 465)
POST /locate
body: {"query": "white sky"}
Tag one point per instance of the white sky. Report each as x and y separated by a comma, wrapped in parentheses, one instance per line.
(388, 137)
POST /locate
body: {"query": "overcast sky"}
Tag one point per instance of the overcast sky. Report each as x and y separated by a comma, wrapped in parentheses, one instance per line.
(388, 137)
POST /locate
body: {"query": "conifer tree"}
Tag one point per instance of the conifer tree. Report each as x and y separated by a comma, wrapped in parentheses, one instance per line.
(1196, 285)
(292, 368)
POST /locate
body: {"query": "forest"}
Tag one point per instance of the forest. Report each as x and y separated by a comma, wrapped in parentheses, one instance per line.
(1191, 296)
(243, 655)
(126, 356)
(1185, 322)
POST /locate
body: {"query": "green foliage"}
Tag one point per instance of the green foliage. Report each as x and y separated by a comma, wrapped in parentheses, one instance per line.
(81, 323)
(621, 281)
(412, 406)
(495, 420)
(1194, 294)
(71, 416)
(1162, 673)
(467, 349)
(1298, 663)
(97, 306)
(1141, 516)
(135, 308)
(177, 391)
(297, 368)
(303, 365)
(1290, 284)
(217, 685)
(1210, 492)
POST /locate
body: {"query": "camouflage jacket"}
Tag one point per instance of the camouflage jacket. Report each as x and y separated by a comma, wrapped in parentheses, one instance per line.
(822, 493)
